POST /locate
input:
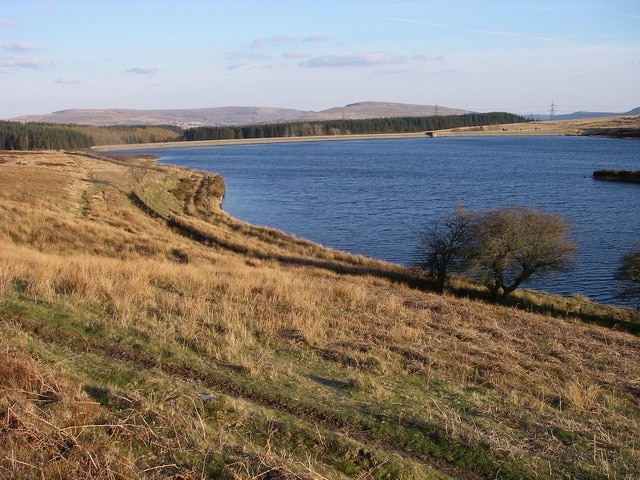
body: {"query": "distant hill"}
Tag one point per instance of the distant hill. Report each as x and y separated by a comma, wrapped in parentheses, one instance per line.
(182, 117)
(362, 110)
(219, 116)
(581, 115)
(234, 115)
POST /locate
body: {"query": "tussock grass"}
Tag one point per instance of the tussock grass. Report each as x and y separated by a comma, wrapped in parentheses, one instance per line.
(318, 364)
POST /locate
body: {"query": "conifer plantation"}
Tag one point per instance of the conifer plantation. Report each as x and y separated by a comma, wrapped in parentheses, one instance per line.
(350, 126)
(46, 136)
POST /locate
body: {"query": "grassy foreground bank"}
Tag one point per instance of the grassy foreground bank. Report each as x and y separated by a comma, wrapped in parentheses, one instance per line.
(146, 334)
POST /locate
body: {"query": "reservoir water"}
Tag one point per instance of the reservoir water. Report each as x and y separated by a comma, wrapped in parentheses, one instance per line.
(371, 196)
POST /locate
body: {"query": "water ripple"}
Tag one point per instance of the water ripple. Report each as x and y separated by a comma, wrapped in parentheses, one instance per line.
(370, 197)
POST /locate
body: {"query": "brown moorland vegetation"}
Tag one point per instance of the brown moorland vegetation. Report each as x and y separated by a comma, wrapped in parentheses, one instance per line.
(146, 334)
(623, 126)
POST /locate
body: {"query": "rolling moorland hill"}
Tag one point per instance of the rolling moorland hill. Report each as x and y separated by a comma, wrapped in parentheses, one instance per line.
(582, 115)
(235, 115)
(146, 334)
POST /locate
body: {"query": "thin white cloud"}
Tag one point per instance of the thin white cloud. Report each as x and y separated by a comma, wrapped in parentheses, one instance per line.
(295, 55)
(261, 42)
(396, 71)
(47, 5)
(280, 39)
(482, 32)
(427, 58)
(316, 38)
(67, 81)
(7, 23)
(630, 15)
(20, 47)
(143, 70)
(363, 59)
(248, 56)
(19, 62)
(236, 66)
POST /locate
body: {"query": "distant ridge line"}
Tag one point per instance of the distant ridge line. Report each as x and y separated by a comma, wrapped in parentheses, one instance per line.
(238, 115)
(234, 115)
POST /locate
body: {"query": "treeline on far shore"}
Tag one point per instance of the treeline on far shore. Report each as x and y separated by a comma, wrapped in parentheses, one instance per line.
(48, 136)
(349, 126)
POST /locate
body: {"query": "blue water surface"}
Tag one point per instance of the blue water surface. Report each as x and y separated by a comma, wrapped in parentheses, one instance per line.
(371, 196)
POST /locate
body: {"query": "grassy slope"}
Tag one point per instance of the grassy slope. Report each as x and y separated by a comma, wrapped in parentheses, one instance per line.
(599, 126)
(146, 334)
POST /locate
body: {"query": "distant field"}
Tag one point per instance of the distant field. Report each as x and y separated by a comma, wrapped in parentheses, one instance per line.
(598, 126)
(602, 125)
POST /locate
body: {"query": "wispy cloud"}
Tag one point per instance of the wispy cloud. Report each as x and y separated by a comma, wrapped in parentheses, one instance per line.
(20, 47)
(248, 56)
(394, 71)
(362, 59)
(630, 15)
(7, 23)
(427, 58)
(67, 81)
(261, 42)
(19, 62)
(236, 66)
(529, 36)
(316, 38)
(47, 5)
(143, 70)
(280, 39)
(295, 55)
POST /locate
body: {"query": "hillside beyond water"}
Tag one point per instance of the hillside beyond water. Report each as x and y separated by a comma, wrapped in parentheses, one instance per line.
(236, 115)
(146, 334)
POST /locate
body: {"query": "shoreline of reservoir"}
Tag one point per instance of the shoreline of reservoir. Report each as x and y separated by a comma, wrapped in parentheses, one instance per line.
(583, 127)
(250, 141)
(317, 138)
(434, 175)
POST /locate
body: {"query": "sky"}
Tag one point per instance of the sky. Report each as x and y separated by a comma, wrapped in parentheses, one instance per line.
(487, 55)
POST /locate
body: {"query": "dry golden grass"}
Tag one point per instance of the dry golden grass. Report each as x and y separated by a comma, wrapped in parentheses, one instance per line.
(44, 425)
(556, 127)
(284, 329)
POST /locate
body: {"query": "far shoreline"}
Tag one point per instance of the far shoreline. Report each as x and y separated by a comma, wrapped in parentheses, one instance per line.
(318, 138)
(251, 141)
(528, 129)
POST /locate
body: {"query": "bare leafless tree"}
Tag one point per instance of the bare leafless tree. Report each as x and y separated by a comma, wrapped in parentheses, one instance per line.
(443, 244)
